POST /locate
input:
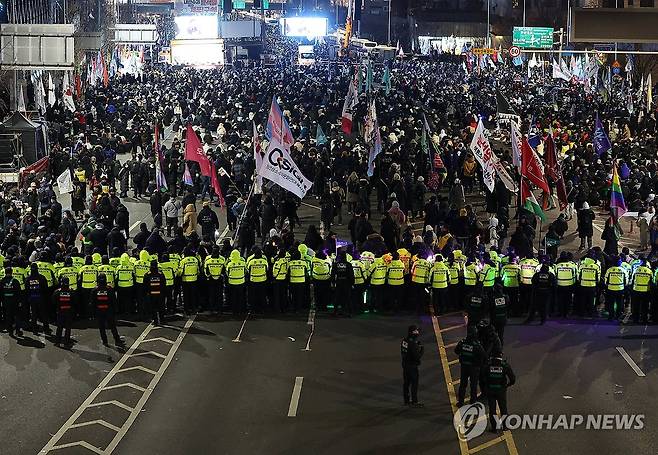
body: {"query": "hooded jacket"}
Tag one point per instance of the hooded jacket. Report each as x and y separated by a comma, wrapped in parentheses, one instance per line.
(189, 220)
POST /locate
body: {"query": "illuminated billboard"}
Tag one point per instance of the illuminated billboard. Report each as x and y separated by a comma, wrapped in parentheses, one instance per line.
(308, 27)
(196, 27)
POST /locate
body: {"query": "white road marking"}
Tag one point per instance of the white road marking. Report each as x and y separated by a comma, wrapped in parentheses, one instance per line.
(311, 322)
(237, 338)
(312, 206)
(630, 361)
(134, 226)
(294, 399)
(134, 411)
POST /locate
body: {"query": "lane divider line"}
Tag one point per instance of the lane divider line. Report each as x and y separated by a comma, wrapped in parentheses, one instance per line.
(452, 395)
(294, 399)
(631, 362)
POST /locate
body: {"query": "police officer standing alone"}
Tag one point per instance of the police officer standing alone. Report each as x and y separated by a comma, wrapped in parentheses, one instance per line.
(412, 351)
(499, 376)
(499, 306)
(11, 302)
(37, 288)
(63, 300)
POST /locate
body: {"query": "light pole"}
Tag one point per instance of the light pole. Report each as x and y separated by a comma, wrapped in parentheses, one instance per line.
(524, 13)
(389, 22)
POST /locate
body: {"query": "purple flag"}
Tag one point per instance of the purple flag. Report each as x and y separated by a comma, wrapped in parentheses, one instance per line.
(601, 141)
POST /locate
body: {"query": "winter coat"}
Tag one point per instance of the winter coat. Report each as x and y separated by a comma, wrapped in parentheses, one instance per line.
(189, 220)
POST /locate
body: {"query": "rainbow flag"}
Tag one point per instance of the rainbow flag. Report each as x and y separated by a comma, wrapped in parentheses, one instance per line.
(617, 204)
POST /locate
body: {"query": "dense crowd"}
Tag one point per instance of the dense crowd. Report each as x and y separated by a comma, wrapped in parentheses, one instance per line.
(269, 258)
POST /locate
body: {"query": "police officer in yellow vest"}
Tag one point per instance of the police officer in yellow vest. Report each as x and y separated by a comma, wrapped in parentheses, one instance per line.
(566, 273)
(615, 282)
(377, 282)
(395, 281)
(640, 292)
(298, 272)
(87, 280)
(439, 277)
(529, 266)
(321, 275)
(280, 285)
(108, 271)
(589, 275)
(455, 287)
(471, 270)
(214, 269)
(487, 277)
(257, 269)
(359, 288)
(420, 274)
(189, 269)
(169, 269)
(236, 277)
(125, 285)
(70, 273)
(510, 276)
(142, 267)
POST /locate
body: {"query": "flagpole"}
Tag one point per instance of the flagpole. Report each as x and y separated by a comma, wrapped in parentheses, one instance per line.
(244, 211)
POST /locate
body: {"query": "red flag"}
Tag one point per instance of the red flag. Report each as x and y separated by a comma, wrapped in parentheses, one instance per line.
(106, 76)
(554, 171)
(531, 168)
(194, 152)
(215, 184)
(78, 86)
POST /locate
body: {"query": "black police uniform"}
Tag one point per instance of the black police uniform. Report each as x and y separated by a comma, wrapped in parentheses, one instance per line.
(471, 356)
(499, 376)
(37, 289)
(499, 306)
(474, 307)
(63, 299)
(412, 351)
(343, 274)
(104, 302)
(543, 287)
(12, 304)
(155, 290)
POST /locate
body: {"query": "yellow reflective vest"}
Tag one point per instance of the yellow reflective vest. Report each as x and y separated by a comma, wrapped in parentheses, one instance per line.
(88, 276)
(615, 278)
(420, 271)
(257, 269)
(642, 279)
(378, 272)
(189, 269)
(395, 274)
(440, 275)
(297, 271)
(320, 269)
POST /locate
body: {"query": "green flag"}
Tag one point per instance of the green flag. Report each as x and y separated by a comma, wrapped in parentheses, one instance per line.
(320, 138)
(386, 80)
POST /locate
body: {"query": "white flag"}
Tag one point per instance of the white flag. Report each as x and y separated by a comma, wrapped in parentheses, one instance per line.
(67, 93)
(504, 175)
(20, 102)
(64, 183)
(649, 92)
(558, 72)
(51, 90)
(515, 136)
(279, 167)
(484, 154)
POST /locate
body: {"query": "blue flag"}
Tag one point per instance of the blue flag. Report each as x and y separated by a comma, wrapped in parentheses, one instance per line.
(601, 141)
(320, 138)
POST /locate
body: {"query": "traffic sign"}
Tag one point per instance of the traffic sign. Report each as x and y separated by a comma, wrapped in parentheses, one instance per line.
(533, 37)
(514, 51)
(483, 51)
(616, 67)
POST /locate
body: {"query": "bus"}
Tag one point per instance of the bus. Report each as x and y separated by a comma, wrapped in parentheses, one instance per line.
(305, 55)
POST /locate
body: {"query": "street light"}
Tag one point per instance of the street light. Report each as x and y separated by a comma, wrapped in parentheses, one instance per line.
(488, 24)
(389, 22)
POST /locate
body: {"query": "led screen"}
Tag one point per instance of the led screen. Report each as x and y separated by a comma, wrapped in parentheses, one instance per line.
(308, 27)
(196, 27)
